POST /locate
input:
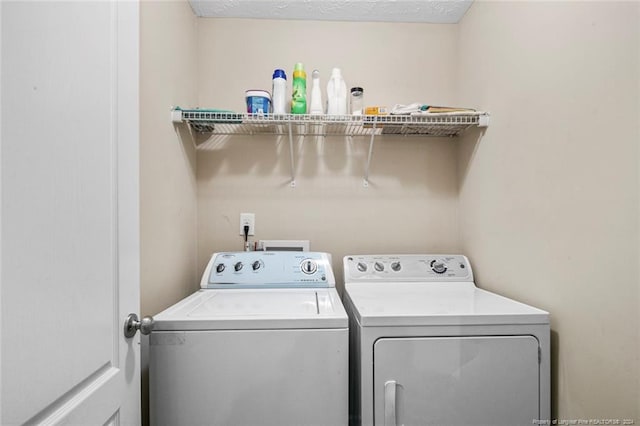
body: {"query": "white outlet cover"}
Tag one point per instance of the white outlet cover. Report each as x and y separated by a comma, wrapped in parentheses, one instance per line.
(248, 219)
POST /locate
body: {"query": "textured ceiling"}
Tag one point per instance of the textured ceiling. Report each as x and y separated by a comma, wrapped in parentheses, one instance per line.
(431, 11)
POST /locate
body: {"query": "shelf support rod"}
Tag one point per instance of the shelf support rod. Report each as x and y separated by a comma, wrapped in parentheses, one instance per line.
(293, 169)
(366, 171)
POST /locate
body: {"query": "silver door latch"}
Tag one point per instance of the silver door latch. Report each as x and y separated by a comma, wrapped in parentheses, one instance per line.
(132, 324)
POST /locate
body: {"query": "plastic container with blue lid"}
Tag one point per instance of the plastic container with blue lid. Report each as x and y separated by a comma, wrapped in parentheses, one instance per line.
(279, 91)
(258, 101)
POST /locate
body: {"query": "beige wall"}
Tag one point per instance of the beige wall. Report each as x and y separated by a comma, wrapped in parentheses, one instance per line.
(167, 170)
(549, 196)
(411, 204)
(545, 202)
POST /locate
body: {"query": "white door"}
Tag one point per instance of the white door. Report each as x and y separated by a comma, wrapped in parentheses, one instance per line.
(456, 381)
(69, 259)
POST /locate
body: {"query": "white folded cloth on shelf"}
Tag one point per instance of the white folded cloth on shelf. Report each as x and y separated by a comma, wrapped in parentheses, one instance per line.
(399, 109)
(456, 112)
(423, 109)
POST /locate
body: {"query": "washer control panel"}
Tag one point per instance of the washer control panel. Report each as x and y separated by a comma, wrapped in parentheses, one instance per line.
(407, 267)
(268, 269)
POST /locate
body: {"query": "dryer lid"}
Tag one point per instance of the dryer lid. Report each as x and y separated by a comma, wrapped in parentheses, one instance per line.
(255, 309)
(415, 304)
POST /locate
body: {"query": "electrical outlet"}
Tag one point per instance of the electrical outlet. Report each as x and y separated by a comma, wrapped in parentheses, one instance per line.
(248, 219)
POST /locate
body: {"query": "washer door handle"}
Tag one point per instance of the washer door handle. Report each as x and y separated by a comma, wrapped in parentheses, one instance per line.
(131, 325)
(390, 403)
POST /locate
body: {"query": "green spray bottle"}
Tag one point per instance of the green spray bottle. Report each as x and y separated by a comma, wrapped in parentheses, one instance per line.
(299, 93)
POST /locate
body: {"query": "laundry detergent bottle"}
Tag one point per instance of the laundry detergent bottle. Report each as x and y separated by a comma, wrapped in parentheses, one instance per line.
(316, 94)
(299, 93)
(336, 94)
(279, 92)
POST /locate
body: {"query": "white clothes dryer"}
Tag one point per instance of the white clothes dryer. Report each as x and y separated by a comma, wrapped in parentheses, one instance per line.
(264, 342)
(427, 347)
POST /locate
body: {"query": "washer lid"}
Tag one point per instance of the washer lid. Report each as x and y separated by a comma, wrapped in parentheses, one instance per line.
(462, 303)
(246, 309)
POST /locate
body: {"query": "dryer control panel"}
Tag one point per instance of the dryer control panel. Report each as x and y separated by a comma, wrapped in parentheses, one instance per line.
(407, 268)
(268, 269)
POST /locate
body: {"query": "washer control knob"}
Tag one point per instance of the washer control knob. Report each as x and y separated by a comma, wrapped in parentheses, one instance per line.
(362, 267)
(309, 266)
(220, 268)
(395, 266)
(438, 266)
(238, 266)
(378, 266)
(256, 265)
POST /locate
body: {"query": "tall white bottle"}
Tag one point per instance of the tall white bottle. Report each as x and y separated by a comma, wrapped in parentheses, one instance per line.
(316, 95)
(279, 92)
(336, 94)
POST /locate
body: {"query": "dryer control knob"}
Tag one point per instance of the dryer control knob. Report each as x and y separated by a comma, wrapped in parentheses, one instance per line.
(362, 267)
(438, 266)
(378, 266)
(256, 265)
(396, 266)
(238, 266)
(220, 268)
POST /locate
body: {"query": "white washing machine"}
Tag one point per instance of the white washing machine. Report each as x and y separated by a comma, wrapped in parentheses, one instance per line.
(264, 342)
(428, 347)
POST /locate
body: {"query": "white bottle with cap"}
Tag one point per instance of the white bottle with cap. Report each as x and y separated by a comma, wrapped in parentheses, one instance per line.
(279, 92)
(316, 95)
(336, 94)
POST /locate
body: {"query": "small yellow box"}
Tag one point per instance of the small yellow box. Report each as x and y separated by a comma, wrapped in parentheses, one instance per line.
(376, 110)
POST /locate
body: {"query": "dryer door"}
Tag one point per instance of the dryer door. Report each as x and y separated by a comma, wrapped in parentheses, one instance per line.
(475, 380)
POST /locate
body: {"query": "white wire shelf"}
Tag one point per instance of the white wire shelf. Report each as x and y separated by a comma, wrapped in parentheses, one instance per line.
(229, 123)
(226, 123)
